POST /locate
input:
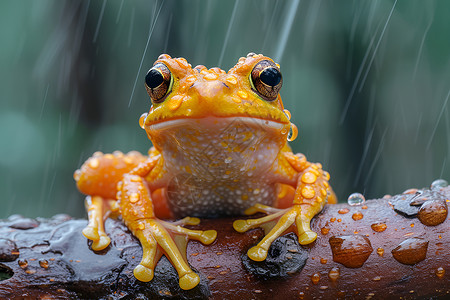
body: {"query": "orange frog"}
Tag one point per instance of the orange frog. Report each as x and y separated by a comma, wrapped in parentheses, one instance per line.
(220, 149)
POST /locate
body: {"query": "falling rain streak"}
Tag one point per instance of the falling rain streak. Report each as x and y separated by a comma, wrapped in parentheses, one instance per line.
(152, 27)
(361, 68)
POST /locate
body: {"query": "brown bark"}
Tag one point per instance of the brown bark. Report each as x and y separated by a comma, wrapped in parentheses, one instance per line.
(372, 251)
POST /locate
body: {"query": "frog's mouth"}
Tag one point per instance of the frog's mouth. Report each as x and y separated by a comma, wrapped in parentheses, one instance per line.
(222, 123)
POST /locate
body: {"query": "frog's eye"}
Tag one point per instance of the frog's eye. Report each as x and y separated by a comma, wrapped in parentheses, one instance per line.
(158, 82)
(266, 80)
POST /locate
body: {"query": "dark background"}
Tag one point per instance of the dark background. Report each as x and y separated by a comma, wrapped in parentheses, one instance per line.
(367, 83)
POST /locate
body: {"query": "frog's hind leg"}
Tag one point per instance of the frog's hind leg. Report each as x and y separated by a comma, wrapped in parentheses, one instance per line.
(98, 178)
(157, 236)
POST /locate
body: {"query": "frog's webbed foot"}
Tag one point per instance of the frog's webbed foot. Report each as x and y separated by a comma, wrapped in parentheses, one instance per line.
(311, 193)
(158, 237)
(275, 224)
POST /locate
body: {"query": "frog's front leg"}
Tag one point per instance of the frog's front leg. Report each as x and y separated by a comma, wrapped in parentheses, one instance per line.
(157, 237)
(312, 192)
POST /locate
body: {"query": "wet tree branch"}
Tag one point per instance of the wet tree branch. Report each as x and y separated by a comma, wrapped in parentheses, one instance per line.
(384, 249)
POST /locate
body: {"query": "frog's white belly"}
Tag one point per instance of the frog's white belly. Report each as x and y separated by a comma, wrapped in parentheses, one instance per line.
(220, 166)
(191, 196)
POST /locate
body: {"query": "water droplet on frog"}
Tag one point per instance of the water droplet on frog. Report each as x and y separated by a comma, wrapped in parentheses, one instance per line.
(356, 199)
(334, 274)
(287, 113)
(315, 278)
(411, 251)
(77, 175)
(440, 272)
(433, 212)
(293, 133)
(357, 216)
(228, 160)
(378, 227)
(438, 184)
(350, 250)
(142, 120)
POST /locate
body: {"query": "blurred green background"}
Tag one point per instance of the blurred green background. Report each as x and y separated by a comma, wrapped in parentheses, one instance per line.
(367, 83)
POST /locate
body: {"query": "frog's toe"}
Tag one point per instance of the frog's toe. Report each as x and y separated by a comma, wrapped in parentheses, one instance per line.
(241, 226)
(257, 253)
(189, 281)
(91, 233)
(307, 237)
(143, 273)
(101, 243)
(304, 232)
(208, 237)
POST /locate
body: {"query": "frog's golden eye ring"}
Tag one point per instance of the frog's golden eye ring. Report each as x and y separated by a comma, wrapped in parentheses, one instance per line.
(158, 82)
(266, 80)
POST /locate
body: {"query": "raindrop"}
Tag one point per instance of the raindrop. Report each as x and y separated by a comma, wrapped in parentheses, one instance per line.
(376, 278)
(356, 199)
(43, 263)
(24, 224)
(77, 174)
(23, 263)
(315, 278)
(378, 227)
(343, 211)
(433, 212)
(287, 113)
(411, 251)
(357, 216)
(142, 120)
(440, 272)
(334, 274)
(380, 251)
(350, 250)
(325, 230)
(293, 133)
(438, 184)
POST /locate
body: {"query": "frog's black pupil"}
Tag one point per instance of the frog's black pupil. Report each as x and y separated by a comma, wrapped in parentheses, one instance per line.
(153, 78)
(270, 76)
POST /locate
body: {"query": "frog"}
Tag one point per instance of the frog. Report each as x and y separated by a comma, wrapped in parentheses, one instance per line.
(220, 148)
